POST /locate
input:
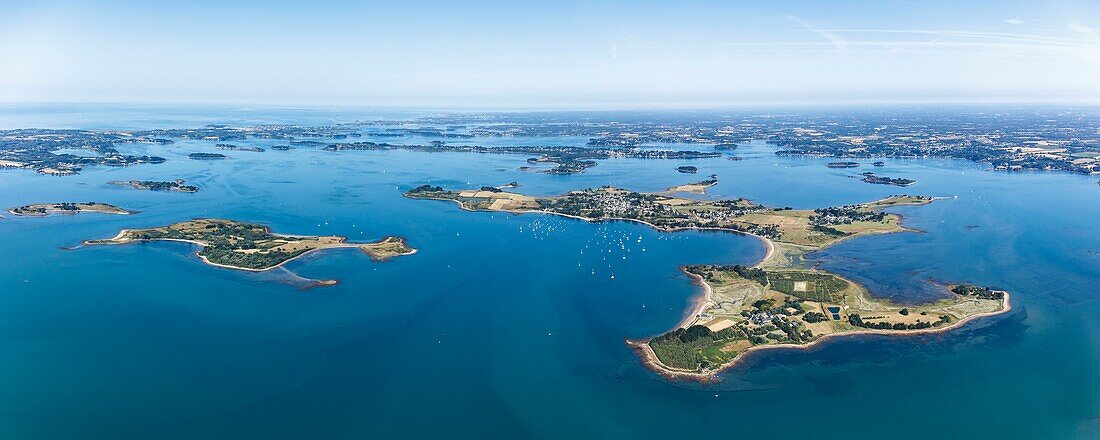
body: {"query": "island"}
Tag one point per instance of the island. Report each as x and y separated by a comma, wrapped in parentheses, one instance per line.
(177, 185)
(842, 164)
(249, 246)
(45, 209)
(687, 169)
(564, 160)
(67, 152)
(231, 147)
(880, 180)
(780, 301)
(206, 156)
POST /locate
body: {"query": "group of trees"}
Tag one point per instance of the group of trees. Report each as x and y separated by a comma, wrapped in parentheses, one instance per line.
(224, 240)
(682, 348)
(977, 291)
(426, 189)
(832, 232)
(252, 260)
(842, 215)
(792, 330)
(812, 317)
(749, 273)
(857, 321)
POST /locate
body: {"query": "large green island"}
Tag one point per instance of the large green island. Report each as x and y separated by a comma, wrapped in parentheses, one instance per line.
(249, 246)
(779, 302)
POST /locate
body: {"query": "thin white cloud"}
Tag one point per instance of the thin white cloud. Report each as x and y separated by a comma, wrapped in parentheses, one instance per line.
(1015, 21)
(979, 43)
(1080, 28)
(991, 43)
(974, 35)
(837, 41)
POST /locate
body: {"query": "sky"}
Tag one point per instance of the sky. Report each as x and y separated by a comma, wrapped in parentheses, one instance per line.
(559, 54)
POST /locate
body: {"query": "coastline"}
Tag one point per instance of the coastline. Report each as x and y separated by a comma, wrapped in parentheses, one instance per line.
(650, 360)
(704, 299)
(700, 303)
(769, 251)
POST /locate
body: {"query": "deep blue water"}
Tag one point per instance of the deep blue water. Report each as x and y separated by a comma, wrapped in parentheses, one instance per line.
(510, 326)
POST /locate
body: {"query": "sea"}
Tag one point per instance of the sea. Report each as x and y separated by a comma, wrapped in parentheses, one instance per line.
(513, 326)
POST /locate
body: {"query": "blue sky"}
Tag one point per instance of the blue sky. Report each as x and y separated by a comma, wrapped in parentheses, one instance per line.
(563, 54)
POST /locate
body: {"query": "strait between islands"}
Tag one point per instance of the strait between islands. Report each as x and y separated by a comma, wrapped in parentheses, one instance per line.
(780, 301)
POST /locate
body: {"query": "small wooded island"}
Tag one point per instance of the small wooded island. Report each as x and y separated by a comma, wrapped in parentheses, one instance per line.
(152, 185)
(206, 156)
(880, 180)
(780, 302)
(44, 209)
(249, 246)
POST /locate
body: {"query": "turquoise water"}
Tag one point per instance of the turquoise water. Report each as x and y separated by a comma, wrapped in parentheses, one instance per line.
(510, 326)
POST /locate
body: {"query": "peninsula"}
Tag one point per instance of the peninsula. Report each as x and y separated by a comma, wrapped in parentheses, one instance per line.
(779, 302)
(45, 209)
(249, 246)
(699, 187)
(177, 185)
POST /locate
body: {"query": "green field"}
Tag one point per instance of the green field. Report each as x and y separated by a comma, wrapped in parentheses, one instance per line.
(819, 287)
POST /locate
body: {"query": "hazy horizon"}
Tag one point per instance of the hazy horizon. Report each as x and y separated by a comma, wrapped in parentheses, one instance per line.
(746, 107)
